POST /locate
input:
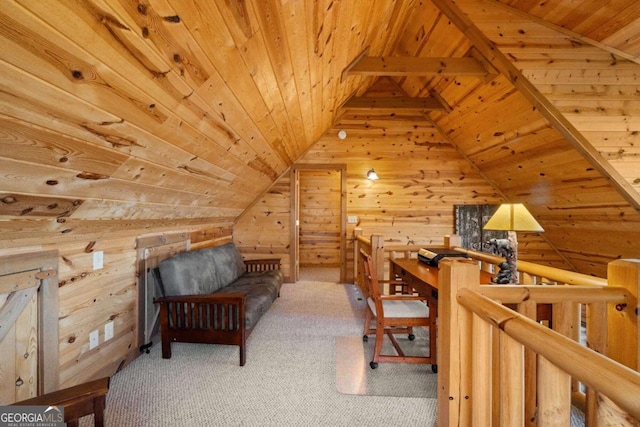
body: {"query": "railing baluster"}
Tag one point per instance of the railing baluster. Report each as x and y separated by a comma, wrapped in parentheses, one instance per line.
(554, 395)
(511, 381)
(529, 308)
(481, 383)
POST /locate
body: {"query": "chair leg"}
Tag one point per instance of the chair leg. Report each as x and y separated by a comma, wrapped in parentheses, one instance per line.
(377, 349)
(367, 322)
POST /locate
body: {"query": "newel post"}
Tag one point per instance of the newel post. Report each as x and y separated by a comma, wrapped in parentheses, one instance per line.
(452, 240)
(623, 343)
(356, 254)
(454, 342)
(377, 253)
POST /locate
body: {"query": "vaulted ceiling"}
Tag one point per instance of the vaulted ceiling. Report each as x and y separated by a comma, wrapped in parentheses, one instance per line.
(166, 111)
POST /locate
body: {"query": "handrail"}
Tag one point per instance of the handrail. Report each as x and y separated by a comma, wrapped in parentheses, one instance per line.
(516, 294)
(550, 273)
(403, 248)
(363, 239)
(616, 381)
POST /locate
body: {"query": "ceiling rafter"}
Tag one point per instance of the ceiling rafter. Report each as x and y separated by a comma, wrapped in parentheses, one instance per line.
(377, 66)
(417, 66)
(397, 103)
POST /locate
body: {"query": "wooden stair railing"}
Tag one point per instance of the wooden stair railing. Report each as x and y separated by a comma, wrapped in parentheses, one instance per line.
(484, 378)
(535, 273)
(611, 314)
(602, 335)
(559, 360)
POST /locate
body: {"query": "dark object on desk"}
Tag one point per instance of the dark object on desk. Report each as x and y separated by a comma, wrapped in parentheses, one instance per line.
(504, 275)
(432, 256)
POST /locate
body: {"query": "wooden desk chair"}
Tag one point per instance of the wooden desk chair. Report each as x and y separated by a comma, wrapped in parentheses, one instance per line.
(78, 401)
(393, 314)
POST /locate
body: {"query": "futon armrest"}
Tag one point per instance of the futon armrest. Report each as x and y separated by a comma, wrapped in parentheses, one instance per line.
(72, 395)
(208, 318)
(262, 264)
(203, 299)
(209, 311)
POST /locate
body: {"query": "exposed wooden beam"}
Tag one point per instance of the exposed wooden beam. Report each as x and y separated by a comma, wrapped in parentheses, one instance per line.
(493, 72)
(415, 66)
(538, 100)
(348, 68)
(399, 103)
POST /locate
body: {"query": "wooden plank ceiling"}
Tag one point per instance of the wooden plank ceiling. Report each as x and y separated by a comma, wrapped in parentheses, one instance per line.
(172, 112)
(172, 109)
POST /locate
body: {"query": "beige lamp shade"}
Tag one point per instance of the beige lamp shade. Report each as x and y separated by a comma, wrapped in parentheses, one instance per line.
(513, 217)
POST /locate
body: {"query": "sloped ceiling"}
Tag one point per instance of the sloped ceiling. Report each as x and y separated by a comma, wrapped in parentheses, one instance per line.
(167, 113)
(170, 109)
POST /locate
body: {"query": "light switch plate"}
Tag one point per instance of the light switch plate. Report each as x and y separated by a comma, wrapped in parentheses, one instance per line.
(108, 331)
(98, 260)
(352, 219)
(93, 340)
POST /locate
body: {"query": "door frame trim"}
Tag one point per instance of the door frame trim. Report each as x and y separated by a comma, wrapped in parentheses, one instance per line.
(295, 215)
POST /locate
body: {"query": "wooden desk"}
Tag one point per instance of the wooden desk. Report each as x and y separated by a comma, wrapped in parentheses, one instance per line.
(420, 276)
(423, 279)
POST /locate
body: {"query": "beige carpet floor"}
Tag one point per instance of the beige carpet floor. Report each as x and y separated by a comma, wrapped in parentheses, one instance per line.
(289, 378)
(355, 376)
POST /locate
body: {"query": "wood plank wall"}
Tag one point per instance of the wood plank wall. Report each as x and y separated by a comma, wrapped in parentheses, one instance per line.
(422, 177)
(595, 89)
(518, 150)
(88, 299)
(264, 229)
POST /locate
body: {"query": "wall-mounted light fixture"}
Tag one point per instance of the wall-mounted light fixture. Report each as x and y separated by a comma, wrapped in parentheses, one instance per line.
(342, 134)
(372, 175)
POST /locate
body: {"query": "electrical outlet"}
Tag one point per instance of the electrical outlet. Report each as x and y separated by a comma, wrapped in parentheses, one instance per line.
(108, 331)
(98, 260)
(93, 339)
(352, 219)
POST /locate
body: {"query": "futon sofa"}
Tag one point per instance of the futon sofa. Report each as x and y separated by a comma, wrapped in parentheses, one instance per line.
(213, 296)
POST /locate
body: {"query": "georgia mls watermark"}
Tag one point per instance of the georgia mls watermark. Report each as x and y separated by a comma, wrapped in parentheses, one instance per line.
(32, 416)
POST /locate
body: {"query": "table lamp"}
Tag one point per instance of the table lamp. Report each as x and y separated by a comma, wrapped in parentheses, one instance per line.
(512, 217)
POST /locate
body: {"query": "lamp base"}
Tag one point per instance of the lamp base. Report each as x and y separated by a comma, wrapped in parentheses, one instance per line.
(512, 258)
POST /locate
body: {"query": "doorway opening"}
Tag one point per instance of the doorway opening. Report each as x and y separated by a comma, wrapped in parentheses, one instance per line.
(318, 239)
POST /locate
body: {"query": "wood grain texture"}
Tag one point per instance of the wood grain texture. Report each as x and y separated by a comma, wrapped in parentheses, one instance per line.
(120, 119)
(422, 177)
(319, 218)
